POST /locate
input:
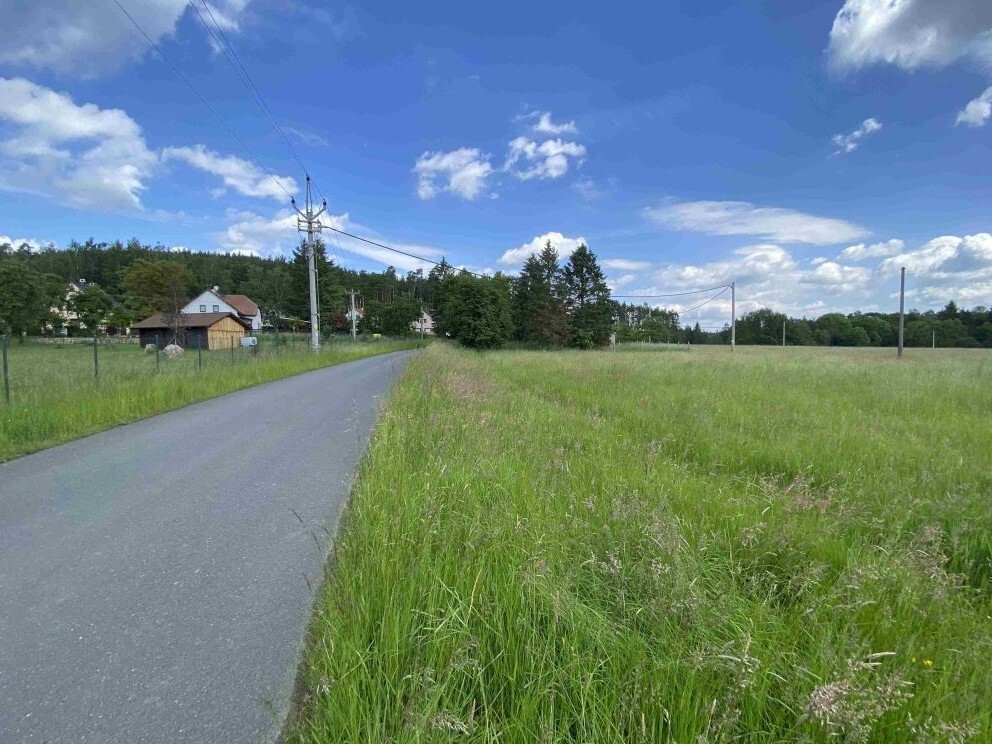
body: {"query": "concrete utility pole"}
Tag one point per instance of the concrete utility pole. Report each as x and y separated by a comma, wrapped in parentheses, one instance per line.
(733, 315)
(902, 309)
(783, 334)
(351, 297)
(309, 221)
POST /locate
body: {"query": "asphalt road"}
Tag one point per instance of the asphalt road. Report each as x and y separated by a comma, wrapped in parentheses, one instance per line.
(152, 577)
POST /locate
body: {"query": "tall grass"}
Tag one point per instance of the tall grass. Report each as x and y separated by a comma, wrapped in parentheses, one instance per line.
(55, 395)
(772, 546)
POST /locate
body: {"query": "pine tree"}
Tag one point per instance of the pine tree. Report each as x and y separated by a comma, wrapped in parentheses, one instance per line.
(331, 295)
(538, 307)
(476, 310)
(587, 300)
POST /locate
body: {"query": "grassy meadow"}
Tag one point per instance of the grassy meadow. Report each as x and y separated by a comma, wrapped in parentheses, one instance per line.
(774, 545)
(55, 396)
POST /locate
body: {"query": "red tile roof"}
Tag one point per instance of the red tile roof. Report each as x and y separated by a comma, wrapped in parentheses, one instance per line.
(242, 304)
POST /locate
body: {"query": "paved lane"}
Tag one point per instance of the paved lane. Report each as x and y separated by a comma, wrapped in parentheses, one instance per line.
(152, 577)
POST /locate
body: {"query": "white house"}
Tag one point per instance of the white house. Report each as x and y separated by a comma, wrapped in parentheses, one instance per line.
(424, 325)
(212, 301)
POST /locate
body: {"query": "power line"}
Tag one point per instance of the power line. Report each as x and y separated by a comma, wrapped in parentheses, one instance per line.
(672, 294)
(231, 55)
(397, 250)
(705, 302)
(205, 102)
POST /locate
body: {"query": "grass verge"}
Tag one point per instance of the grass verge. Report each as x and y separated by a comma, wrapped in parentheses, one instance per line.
(55, 398)
(621, 547)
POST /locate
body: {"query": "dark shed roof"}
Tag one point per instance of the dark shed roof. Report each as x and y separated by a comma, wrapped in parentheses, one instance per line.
(187, 320)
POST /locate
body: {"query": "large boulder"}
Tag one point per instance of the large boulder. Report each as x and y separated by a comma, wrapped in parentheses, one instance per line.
(150, 348)
(173, 350)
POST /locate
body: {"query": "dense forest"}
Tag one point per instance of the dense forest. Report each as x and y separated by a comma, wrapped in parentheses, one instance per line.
(551, 303)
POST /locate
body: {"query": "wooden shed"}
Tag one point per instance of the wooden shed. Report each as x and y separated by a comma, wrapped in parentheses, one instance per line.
(202, 330)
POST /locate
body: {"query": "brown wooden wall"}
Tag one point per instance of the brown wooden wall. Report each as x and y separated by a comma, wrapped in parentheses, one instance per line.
(224, 333)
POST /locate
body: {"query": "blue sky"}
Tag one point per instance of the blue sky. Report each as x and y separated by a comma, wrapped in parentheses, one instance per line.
(805, 153)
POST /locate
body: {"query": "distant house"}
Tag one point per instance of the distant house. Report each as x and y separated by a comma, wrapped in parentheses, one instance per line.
(359, 314)
(424, 325)
(220, 330)
(68, 317)
(212, 301)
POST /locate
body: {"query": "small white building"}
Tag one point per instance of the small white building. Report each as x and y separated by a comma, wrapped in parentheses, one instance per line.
(212, 301)
(424, 325)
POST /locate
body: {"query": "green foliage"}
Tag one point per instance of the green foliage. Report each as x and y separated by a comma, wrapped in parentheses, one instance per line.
(587, 300)
(390, 318)
(156, 287)
(538, 301)
(610, 547)
(92, 306)
(54, 397)
(27, 298)
(476, 310)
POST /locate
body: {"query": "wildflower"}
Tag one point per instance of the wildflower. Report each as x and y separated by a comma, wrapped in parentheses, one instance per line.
(928, 663)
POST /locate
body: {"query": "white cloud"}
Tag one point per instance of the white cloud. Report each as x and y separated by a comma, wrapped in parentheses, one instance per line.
(910, 33)
(34, 245)
(621, 281)
(860, 252)
(255, 235)
(833, 277)
(549, 159)
(849, 142)
(545, 125)
(587, 189)
(462, 172)
(266, 236)
(743, 218)
(945, 256)
(766, 276)
(624, 264)
(978, 111)
(241, 175)
(307, 138)
(82, 155)
(945, 268)
(86, 39)
(564, 245)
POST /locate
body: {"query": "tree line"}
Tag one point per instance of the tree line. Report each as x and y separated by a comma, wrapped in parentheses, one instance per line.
(551, 304)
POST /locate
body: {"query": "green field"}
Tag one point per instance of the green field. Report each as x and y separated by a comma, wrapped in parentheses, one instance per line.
(55, 395)
(774, 545)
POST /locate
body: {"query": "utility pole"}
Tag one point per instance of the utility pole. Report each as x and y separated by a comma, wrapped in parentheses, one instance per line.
(351, 297)
(783, 334)
(902, 309)
(309, 221)
(733, 315)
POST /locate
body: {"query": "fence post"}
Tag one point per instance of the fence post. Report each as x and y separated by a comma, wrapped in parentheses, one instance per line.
(199, 352)
(232, 349)
(96, 361)
(158, 366)
(6, 377)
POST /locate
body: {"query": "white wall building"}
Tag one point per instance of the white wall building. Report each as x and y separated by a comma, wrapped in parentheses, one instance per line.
(424, 325)
(212, 301)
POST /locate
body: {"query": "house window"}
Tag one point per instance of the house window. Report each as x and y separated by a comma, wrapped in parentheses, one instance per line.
(203, 308)
(216, 308)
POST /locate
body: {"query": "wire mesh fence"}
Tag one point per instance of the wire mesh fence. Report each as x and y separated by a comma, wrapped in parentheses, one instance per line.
(36, 370)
